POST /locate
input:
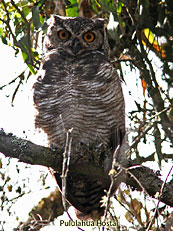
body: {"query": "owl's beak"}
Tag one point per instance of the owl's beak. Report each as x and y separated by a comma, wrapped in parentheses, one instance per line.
(76, 45)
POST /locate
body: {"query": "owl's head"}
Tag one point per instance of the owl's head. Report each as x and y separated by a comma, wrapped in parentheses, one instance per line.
(76, 35)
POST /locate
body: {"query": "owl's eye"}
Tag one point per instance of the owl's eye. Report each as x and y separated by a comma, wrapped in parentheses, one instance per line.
(89, 37)
(63, 34)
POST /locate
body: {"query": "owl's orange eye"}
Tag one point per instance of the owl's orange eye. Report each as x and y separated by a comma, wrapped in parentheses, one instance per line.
(89, 37)
(63, 34)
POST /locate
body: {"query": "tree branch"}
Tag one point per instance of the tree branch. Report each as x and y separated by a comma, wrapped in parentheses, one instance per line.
(152, 184)
(142, 60)
(28, 152)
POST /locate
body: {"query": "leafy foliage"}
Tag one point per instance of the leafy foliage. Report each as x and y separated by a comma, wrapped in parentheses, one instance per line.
(142, 34)
(72, 8)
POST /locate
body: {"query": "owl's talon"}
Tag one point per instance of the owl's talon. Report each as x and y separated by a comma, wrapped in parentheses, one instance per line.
(53, 146)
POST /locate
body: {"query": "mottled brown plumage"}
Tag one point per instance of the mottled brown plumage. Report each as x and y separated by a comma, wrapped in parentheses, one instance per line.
(79, 89)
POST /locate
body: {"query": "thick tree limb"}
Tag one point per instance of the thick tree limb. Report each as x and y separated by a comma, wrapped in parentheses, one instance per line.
(151, 183)
(30, 153)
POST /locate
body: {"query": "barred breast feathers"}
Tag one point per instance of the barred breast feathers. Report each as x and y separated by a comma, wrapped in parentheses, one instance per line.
(92, 104)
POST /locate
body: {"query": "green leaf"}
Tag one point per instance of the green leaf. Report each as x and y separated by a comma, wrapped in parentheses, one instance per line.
(4, 40)
(25, 56)
(95, 5)
(107, 6)
(72, 8)
(26, 11)
(31, 69)
(1, 31)
(36, 17)
(23, 42)
(41, 3)
(119, 8)
(44, 26)
(24, 3)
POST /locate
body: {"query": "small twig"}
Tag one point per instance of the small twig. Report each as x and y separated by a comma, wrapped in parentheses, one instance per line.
(129, 211)
(160, 194)
(12, 81)
(158, 113)
(112, 181)
(7, 22)
(72, 220)
(145, 129)
(65, 167)
(138, 138)
(134, 177)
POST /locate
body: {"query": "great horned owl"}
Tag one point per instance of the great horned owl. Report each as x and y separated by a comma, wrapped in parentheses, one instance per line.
(79, 90)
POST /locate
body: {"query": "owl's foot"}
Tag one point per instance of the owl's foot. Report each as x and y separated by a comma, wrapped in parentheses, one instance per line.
(53, 146)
